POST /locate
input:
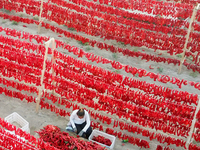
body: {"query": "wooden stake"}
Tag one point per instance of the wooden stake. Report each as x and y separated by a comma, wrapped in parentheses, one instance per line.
(187, 37)
(44, 68)
(42, 76)
(40, 19)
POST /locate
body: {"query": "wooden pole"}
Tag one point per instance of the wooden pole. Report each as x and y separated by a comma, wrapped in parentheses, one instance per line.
(44, 67)
(40, 19)
(42, 76)
(187, 37)
(193, 125)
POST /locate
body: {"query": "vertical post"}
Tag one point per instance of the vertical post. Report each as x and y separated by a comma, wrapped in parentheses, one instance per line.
(187, 37)
(44, 68)
(193, 125)
(41, 8)
(42, 76)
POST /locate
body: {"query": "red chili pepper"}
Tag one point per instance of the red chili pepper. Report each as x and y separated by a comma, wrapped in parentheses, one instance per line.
(150, 67)
(62, 140)
(102, 140)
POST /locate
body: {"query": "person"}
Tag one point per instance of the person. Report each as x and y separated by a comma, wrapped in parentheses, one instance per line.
(80, 123)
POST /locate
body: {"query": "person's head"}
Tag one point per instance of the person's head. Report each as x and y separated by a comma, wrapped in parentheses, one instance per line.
(81, 113)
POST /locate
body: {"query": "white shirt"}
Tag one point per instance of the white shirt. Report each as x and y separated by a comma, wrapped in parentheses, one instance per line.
(74, 119)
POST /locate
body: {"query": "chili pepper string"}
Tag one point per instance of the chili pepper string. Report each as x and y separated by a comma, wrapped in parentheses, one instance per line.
(18, 86)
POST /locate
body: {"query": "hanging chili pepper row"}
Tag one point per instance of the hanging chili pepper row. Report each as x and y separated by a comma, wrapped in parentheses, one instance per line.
(69, 104)
(37, 142)
(14, 67)
(18, 86)
(193, 2)
(53, 108)
(20, 76)
(22, 57)
(16, 94)
(152, 7)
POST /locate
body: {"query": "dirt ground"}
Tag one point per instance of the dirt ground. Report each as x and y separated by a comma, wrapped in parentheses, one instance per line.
(44, 117)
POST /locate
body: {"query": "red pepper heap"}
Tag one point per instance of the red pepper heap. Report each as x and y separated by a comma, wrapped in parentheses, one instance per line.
(62, 140)
(102, 140)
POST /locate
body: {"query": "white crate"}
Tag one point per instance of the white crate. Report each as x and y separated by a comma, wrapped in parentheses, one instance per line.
(15, 117)
(108, 136)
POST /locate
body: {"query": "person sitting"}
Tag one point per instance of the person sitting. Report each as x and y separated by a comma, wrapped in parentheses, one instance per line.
(80, 123)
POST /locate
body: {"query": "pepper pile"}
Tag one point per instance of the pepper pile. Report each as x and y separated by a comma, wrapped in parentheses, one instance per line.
(102, 140)
(62, 140)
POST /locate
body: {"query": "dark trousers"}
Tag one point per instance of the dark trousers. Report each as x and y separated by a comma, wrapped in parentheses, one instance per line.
(79, 127)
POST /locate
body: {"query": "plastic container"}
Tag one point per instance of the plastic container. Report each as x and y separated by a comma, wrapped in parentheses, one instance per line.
(15, 117)
(108, 136)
